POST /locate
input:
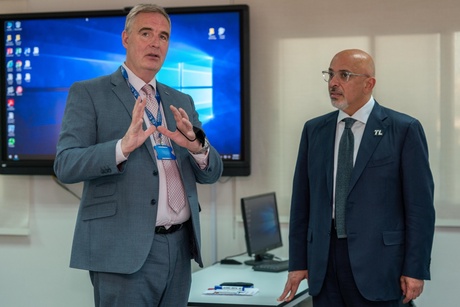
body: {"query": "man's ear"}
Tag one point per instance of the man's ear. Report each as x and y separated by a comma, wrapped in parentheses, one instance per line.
(370, 84)
(124, 38)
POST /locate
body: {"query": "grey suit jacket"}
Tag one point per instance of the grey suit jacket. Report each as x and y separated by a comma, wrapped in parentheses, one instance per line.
(389, 211)
(117, 214)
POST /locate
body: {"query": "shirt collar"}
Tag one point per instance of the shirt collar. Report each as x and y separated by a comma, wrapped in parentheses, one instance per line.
(362, 114)
(137, 82)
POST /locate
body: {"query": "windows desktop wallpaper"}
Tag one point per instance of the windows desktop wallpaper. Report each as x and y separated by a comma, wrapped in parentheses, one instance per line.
(43, 57)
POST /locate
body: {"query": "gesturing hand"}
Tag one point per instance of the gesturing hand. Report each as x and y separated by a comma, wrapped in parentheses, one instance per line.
(184, 135)
(136, 136)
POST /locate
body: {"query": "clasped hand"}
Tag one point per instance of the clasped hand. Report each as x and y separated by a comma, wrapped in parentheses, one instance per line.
(136, 135)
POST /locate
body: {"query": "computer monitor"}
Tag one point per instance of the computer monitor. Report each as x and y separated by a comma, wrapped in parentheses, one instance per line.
(43, 54)
(261, 226)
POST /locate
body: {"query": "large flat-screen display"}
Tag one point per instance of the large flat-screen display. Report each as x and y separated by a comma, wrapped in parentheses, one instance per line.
(261, 226)
(44, 53)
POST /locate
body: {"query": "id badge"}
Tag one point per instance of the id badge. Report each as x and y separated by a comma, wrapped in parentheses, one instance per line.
(164, 152)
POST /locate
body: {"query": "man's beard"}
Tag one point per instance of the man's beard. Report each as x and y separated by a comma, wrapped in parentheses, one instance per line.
(341, 105)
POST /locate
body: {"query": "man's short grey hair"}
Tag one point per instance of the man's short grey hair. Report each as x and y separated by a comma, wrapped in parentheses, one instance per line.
(144, 8)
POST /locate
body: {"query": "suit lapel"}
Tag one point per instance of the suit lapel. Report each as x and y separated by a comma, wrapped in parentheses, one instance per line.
(127, 99)
(375, 129)
(328, 139)
(121, 89)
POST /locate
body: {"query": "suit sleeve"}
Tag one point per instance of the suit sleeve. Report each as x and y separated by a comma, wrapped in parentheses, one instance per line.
(299, 215)
(418, 192)
(82, 152)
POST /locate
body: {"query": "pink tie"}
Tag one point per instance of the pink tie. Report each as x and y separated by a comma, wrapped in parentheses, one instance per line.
(175, 188)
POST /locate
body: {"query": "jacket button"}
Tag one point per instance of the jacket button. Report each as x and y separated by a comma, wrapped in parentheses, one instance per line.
(153, 202)
(105, 170)
(155, 173)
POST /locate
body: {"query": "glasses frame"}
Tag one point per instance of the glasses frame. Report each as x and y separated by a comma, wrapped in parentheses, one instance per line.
(344, 75)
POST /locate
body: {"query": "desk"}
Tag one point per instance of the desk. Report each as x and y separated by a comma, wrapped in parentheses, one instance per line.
(270, 286)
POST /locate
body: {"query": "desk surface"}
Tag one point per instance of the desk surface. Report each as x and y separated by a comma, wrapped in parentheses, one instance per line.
(270, 286)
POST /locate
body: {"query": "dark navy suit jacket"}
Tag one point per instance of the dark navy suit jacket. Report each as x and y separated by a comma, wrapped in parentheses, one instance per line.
(389, 212)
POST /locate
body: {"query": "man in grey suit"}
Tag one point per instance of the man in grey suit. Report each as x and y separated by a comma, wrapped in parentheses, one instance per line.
(133, 233)
(382, 251)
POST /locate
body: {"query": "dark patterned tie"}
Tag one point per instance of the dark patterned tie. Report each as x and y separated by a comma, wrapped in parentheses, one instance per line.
(342, 181)
(175, 188)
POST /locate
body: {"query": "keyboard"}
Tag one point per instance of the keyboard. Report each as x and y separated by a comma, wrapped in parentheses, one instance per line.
(275, 266)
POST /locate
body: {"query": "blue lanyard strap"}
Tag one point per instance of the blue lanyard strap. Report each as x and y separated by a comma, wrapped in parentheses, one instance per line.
(156, 122)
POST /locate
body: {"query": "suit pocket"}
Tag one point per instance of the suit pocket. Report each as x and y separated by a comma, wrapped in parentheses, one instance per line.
(381, 162)
(393, 237)
(104, 189)
(98, 210)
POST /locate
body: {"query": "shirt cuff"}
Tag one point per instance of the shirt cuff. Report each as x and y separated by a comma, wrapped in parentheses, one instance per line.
(119, 156)
(201, 159)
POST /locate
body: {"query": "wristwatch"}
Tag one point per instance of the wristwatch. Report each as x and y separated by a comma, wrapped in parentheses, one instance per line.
(204, 149)
(199, 135)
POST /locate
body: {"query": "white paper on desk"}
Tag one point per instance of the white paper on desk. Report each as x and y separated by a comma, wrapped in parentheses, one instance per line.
(246, 292)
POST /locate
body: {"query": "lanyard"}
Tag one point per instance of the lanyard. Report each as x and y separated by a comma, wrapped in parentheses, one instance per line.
(156, 122)
(164, 152)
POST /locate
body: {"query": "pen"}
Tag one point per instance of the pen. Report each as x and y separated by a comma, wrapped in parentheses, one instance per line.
(229, 288)
(226, 291)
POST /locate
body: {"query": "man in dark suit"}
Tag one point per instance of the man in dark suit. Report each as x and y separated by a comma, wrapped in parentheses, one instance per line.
(382, 252)
(133, 233)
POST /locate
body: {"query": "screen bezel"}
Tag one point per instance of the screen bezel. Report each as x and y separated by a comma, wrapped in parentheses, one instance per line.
(45, 167)
(246, 204)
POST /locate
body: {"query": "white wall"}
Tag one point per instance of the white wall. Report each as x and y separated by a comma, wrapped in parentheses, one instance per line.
(291, 42)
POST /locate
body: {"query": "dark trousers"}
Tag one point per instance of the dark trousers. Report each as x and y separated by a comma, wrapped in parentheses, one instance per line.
(163, 281)
(339, 288)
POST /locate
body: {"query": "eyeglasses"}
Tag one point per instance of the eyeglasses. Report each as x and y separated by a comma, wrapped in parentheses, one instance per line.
(343, 75)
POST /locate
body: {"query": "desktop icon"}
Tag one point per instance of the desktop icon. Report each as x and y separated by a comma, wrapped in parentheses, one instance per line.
(18, 64)
(36, 51)
(221, 32)
(17, 24)
(11, 129)
(27, 77)
(18, 38)
(9, 25)
(212, 34)
(19, 90)
(11, 142)
(18, 51)
(9, 38)
(9, 64)
(27, 64)
(9, 78)
(9, 51)
(27, 51)
(10, 90)
(10, 103)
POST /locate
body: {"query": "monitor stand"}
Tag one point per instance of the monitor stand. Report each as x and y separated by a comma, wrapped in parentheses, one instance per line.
(260, 258)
